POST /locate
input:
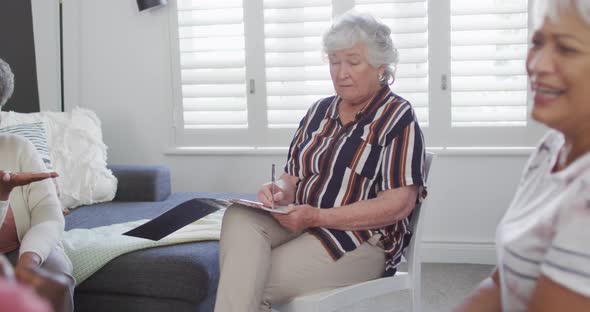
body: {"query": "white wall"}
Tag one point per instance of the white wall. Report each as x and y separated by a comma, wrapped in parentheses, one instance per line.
(118, 64)
(469, 195)
(46, 36)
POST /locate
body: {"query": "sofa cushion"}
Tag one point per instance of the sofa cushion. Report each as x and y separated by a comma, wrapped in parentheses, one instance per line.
(141, 183)
(92, 302)
(182, 272)
(172, 272)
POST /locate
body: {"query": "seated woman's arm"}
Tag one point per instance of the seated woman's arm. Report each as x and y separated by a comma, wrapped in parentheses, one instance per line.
(7, 182)
(46, 217)
(551, 296)
(50, 287)
(485, 298)
(548, 296)
(387, 208)
(564, 282)
(10, 180)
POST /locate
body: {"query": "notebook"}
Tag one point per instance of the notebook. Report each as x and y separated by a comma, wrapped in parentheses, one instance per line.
(258, 205)
(177, 217)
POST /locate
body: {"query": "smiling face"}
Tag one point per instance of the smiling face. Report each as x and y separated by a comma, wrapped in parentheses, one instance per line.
(558, 65)
(354, 79)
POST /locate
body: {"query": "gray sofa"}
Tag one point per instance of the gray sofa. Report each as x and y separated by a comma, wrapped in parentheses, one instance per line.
(170, 278)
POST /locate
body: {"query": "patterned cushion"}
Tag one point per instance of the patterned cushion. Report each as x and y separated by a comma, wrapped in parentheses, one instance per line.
(77, 153)
(34, 132)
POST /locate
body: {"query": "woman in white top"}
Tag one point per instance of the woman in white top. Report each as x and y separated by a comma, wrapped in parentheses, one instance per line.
(31, 219)
(543, 241)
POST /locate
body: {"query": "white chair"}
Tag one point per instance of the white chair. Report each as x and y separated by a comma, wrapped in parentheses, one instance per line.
(347, 297)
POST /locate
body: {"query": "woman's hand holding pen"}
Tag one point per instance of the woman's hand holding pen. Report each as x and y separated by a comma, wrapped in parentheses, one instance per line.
(284, 191)
(265, 194)
(299, 217)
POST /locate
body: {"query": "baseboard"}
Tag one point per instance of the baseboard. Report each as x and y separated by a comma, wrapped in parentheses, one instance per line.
(458, 252)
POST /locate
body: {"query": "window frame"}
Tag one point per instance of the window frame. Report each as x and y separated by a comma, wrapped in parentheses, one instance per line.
(439, 133)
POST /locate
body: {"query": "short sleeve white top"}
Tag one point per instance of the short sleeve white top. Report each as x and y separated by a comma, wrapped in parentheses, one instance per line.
(546, 230)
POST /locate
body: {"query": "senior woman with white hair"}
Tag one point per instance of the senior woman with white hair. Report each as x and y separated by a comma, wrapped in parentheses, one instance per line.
(31, 219)
(358, 157)
(543, 245)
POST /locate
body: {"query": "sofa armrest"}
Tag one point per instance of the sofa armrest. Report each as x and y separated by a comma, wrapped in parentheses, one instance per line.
(141, 183)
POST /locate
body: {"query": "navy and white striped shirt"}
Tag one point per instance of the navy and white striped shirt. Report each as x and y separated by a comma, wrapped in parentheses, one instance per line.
(382, 149)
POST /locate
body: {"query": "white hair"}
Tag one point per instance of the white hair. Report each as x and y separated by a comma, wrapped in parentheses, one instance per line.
(6, 82)
(353, 28)
(553, 9)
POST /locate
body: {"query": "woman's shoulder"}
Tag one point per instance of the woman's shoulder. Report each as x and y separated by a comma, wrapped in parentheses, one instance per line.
(574, 204)
(399, 99)
(398, 103)
(13, 148)
(577, 178)
(578, 174)
(552, 139)
(323, 105)
(568, 256)
(14, 141)
(325, 101)
(548, 145)
(18, 146)
(399, 109)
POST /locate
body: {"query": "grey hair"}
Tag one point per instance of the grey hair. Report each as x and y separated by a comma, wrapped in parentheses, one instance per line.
(6, 82)
(553, 9)
(353, 28)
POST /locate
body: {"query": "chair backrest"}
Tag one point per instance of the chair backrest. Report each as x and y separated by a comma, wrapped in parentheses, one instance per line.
(415, 223)
(413, 252)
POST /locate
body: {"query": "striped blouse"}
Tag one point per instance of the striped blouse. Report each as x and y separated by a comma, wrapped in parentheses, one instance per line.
(382, 149)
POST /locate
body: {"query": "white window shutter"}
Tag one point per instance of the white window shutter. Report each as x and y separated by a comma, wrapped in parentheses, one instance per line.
(296, 72)
(408, 20)
(276, 44)
(488, 51)
(212, 59)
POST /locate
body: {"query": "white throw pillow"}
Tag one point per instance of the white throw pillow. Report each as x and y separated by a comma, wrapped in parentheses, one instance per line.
(77, 152)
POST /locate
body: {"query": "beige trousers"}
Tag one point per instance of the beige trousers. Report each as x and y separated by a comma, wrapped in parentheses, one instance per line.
(263, 263)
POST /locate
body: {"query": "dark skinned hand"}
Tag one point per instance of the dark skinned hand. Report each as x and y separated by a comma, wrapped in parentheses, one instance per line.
(49, 286)
(10, 180)
(52, 287)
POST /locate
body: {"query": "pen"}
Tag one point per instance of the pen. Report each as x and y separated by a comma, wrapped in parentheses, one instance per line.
(272, 187)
